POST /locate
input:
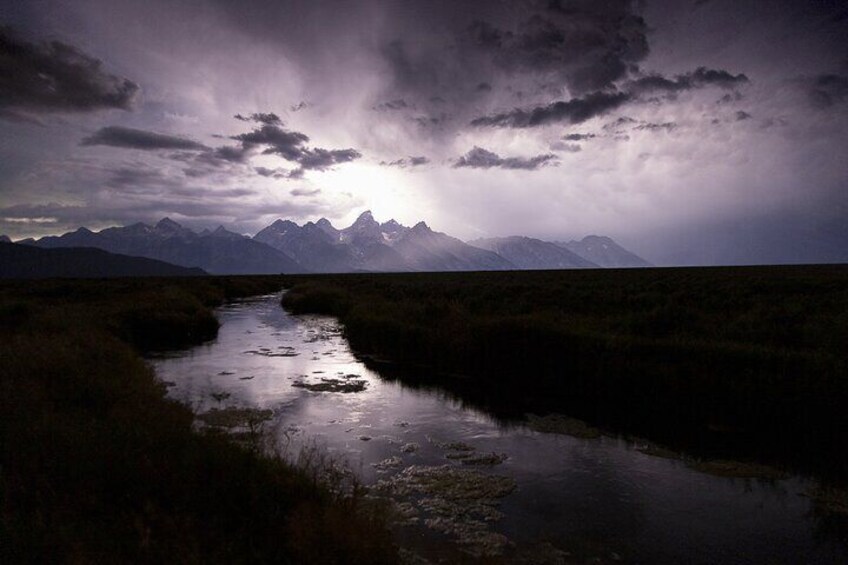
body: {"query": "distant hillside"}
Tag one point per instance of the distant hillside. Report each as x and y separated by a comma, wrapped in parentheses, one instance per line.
(534, 254)
(27, 262)
(604, 252)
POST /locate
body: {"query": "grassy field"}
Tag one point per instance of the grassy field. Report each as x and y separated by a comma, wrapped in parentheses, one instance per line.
(748, 362)
(96, 465)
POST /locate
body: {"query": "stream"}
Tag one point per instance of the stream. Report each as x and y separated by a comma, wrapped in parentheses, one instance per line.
(466, 485)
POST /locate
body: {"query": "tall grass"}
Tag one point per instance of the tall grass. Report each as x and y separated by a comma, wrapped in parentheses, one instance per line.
(747, 362)
(96, 465)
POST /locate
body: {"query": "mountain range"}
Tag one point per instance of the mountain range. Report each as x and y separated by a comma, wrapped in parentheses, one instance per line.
(218, 252)
(319, 247)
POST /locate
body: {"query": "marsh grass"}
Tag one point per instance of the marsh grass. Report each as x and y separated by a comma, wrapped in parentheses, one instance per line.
(745, 362)
(96, 465)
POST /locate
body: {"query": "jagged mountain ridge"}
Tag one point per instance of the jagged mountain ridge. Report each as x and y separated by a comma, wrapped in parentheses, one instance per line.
(534, 254)
(319, 247)
(367, 245)
(605, 252)
(218, 252)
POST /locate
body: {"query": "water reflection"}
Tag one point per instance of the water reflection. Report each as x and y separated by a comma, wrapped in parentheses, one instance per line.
(574, 498)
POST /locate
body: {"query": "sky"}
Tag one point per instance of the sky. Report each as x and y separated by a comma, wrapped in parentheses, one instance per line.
(692, 132)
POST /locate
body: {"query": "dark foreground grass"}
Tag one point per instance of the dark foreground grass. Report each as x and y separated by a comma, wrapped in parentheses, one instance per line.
(96, 465)
(732, 362)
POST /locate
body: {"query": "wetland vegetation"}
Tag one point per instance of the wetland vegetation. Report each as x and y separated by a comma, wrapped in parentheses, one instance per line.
(98, 466)
(744, 362)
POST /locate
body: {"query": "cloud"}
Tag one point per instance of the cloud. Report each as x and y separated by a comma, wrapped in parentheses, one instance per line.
(586, 45)
(398, 104)
(647, 126)
(224, 155)
(271, 173)
(729, 98)
(291, 146)
(574, 111)
(432, 121)
(117, 136)
(566, 147)
(479, 158)
(270, 118)
(410, 162)
(321, 159)
(828, 90)
(578, 136)
(699, 78)
(742, 115)
(132, 177)
(305, 192)
(57, 77)
(287, 144)
(411, 74)
(618, 125)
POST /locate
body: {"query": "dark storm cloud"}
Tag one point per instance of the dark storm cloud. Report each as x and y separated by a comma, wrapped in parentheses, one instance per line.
(398, 104)
(699, 78)
(742, 115)
(574, 111)
(117, 136)
(618, 125)
(269, 118)
(730, 98)
(479, 158)
(827, 90)
(404, 163)
(21, 117)
(287, 144)
(321, 159)
(434, 121)
(463, 53)
(588, 45)
(291, 145)
(224, 155)
(666, 126)
(277, 173)
(578, 136)
(57, 77)
(411, 74)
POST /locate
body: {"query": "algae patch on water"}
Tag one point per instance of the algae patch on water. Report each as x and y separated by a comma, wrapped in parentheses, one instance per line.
(346, 385)
(460, 503)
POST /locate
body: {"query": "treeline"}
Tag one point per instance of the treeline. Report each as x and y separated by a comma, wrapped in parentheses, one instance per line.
(96, 465)
(734, 362)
